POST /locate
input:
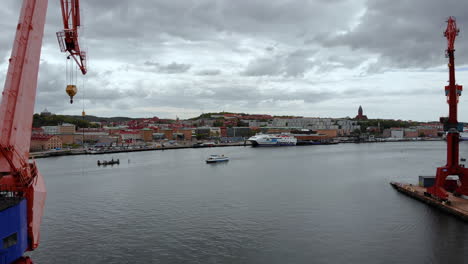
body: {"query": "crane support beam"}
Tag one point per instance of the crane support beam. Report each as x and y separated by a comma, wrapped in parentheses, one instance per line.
(16, 114)
(17, 105)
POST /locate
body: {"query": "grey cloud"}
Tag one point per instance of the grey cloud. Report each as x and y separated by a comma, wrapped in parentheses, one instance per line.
(263, 66)
(9, 14)
(188, 19)
(175, 68)
(405, 34)
(220, 95)
(380, 92)
(347, 59)
(150, 63)
(51, 90)
(170, 68)
(209, 72)
(293, 64)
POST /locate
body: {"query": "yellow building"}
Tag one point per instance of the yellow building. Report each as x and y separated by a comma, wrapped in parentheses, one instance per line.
(45, 142)
(146, 134)
(66, 128)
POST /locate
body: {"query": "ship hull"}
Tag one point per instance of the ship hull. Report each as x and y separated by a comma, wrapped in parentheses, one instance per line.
(256, 144)
(217, 160)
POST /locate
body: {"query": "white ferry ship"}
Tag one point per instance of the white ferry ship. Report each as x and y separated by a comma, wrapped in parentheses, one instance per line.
(273, 140)
(464, 136)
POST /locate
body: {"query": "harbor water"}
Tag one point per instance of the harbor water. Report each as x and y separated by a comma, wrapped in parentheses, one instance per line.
(304, 204)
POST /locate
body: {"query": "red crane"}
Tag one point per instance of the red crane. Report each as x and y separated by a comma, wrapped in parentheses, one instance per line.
(451, 126)
(68, 37)
(20, 180)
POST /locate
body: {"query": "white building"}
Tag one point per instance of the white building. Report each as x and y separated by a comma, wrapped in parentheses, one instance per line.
(344, 126)
(50, 130)
(347, 126)
(397, 133)
(130, 135)
(215, 131)
(256, 123)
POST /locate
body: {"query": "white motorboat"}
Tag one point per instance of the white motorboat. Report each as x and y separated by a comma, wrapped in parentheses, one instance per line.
(217, 158)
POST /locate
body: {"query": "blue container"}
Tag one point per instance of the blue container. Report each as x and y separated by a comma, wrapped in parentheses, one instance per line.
(13, 229)
(426, 181)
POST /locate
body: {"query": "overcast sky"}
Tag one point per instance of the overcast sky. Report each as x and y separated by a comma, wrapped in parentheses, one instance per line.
(319, 58)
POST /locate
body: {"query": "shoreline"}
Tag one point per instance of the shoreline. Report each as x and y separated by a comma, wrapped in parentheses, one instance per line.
(73, 152)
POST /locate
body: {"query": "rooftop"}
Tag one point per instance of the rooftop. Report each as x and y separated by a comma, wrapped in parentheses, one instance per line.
(41, 137)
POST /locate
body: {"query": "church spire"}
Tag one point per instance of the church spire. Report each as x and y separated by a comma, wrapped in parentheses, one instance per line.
(361, 115)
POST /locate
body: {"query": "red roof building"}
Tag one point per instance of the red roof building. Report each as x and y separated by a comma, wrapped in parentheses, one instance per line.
(37, 131)
(45, 142)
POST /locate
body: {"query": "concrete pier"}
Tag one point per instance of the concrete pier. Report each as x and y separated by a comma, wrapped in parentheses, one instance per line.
(456, 206)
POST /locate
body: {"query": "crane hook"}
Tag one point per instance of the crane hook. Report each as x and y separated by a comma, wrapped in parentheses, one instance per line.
(71, 91)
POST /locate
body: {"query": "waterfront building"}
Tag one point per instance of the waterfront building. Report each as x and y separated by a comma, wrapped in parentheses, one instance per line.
(45, 142)
(239, 132)
(50, 130)
(186, 133)
(215, 132)
(66, 132)
(410, 133)
(256, 123)
(330, 133)
(205, 122)
(419, 131)
(93, 136)
(168, 133)
(158, 136)
(202, 132)
(188, 123)
(312, 123)
(37, 131)
(343, 126)
(146, 134)
(346, 126)
(130, 136)
(66, 128)
(428, 132)
(396, 133)
(223, 131)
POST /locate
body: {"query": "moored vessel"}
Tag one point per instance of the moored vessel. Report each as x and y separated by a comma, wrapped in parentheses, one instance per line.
(273, 140)
(108, 162)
